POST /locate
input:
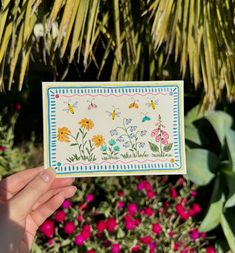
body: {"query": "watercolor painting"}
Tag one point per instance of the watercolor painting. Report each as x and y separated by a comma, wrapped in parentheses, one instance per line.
(120, 129)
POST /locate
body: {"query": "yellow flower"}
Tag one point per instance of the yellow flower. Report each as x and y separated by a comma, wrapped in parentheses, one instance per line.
(98, 140)
(86, 123)
(63, 134)
(172, 160)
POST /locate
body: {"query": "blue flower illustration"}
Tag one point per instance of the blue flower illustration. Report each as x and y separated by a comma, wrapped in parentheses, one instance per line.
(128, 121)
(143, 133)
(113, 132)
(112, 142)
(103, 148)
(133, 128)
(116, 148)
(120, 139)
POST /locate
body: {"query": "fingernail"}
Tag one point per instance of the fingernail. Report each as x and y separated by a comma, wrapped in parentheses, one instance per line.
(47, 175)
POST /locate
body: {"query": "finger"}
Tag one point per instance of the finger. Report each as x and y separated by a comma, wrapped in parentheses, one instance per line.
(21, 204)
(48, 208)
(50, 194)
(14, 183)
(60, 182)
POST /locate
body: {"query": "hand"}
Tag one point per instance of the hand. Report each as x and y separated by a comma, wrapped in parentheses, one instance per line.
(27, 199)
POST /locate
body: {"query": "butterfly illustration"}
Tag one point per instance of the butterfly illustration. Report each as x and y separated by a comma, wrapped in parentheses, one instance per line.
(133, 105)
(146, 118)
(153, 103)
(70, 107)
(91, 105)
(114, 113)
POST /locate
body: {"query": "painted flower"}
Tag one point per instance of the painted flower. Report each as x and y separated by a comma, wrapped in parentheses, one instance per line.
(98, 140)
(155, 132)
(89, 197)
(141, 144)
(116, 248)
(128, 121)
(126, 144)
(120, 139)
(116, 148)
(66, 204)
(47, 228)
(103, 148)
(79, 240)
(113, 132)
(133, 128)
(63, 134)
(143, 133)
(60, 216)
(112, 142)
(69, 227)
(86, 123)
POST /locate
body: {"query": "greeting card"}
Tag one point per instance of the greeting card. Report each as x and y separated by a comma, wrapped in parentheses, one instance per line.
(114, 128)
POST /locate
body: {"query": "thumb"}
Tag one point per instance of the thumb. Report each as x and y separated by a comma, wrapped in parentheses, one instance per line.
(21, 204)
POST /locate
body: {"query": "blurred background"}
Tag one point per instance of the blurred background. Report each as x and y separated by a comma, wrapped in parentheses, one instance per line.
(126, 40)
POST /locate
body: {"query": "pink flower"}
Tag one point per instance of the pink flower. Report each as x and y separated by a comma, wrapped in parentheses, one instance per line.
(194, 234)
(66, 204)
(79, 240)
(89, 198)
(69, 227)
(152, 247)
(135, 248)
(2, 148)
(202, 235)
(210, 249)
(47, 228)
(111, 224)
(130, 225)
(132, 209)
(181, 181)
(147, 186)
(50, 242)
(155, 132)
(196, 208)
(173, 192)
(140, 186)
(101, 226)
(120, 194)
(193, 193)
(156, 228)
(116, 248)
(80, 217)
(148, 211)
(120, 204)
(18, 106)
(137, 222)
(91, 251)
(86, 231)
(150, 194)
(146, 240)
(176, 246)
(60, 216)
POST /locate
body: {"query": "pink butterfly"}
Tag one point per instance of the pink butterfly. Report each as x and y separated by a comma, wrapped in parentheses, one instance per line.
(91, 105)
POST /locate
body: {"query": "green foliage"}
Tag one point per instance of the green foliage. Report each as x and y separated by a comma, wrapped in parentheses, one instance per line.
(123, 211)
(13, 158)
(210, 161)
(138, 36)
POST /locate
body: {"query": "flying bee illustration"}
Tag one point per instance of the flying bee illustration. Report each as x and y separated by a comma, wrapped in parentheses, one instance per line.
(133, 104)
(91, 105)
(70, 107)
(153, 103)
(115, 113)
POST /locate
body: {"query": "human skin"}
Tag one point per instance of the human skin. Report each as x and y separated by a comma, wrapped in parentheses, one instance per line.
(27, 199)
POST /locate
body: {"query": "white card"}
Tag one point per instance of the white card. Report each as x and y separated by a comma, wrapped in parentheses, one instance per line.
(114, 128)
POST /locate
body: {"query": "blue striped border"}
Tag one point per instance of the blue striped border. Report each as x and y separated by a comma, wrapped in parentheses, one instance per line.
(113, 90)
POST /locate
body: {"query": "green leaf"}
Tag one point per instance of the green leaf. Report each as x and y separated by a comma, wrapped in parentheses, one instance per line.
(73, 144)
(215, 210)
(200, 165)
(230, 140)
(193, 115)
(154, 148)
(168, 147)
(228, 233)
(221, 122)
(120, 233)
(193, 134)
(229, 179)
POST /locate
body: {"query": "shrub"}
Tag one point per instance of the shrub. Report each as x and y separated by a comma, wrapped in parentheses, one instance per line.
(126, 214)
